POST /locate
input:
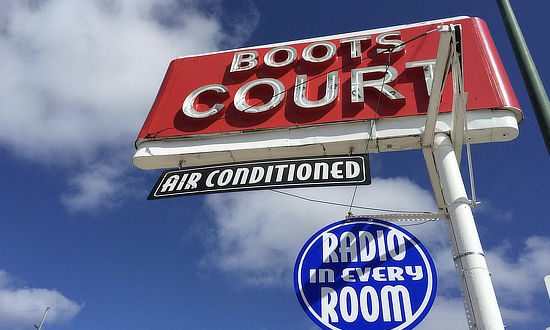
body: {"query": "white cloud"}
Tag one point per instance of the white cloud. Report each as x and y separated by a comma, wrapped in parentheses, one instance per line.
(96, 185)
(23, 307)
(446, 313)
(518, 277)
(260, 233)
(83, 74)
(78, 78)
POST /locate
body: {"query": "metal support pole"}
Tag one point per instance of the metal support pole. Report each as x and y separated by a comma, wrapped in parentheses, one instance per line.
(39, 327)
(531, 78)
(480, 302)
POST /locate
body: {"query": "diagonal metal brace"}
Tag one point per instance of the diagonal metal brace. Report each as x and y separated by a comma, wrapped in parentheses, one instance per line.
(441, 70)
(449, 57)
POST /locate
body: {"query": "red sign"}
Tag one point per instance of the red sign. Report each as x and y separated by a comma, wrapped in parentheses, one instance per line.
(321, 81)
(318, 97)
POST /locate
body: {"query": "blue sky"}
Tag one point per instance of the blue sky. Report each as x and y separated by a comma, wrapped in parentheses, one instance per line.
(77, 233)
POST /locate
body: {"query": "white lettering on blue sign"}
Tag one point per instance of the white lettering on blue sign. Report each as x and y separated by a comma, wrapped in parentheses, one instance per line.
(365, 272)
(348, 303)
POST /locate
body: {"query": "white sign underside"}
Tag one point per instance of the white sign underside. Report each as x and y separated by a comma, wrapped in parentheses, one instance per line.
(388, 134)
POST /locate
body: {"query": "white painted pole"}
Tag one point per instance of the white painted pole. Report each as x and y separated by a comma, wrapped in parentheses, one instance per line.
(480, 302)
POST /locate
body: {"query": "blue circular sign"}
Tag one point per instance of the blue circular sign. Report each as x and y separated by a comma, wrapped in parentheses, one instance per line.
(365, 273)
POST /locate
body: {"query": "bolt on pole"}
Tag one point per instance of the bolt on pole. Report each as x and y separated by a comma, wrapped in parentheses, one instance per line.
(480, 302)
(531, 78)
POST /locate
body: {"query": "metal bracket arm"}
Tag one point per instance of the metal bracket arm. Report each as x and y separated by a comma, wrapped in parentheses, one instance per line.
(441, 70)
(459, 96)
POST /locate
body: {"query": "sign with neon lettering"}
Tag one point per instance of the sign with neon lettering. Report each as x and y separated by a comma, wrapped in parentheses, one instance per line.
(365, 273)
(271, 91)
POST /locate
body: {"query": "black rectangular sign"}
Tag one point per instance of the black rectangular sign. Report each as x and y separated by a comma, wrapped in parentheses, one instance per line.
(283, 173)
